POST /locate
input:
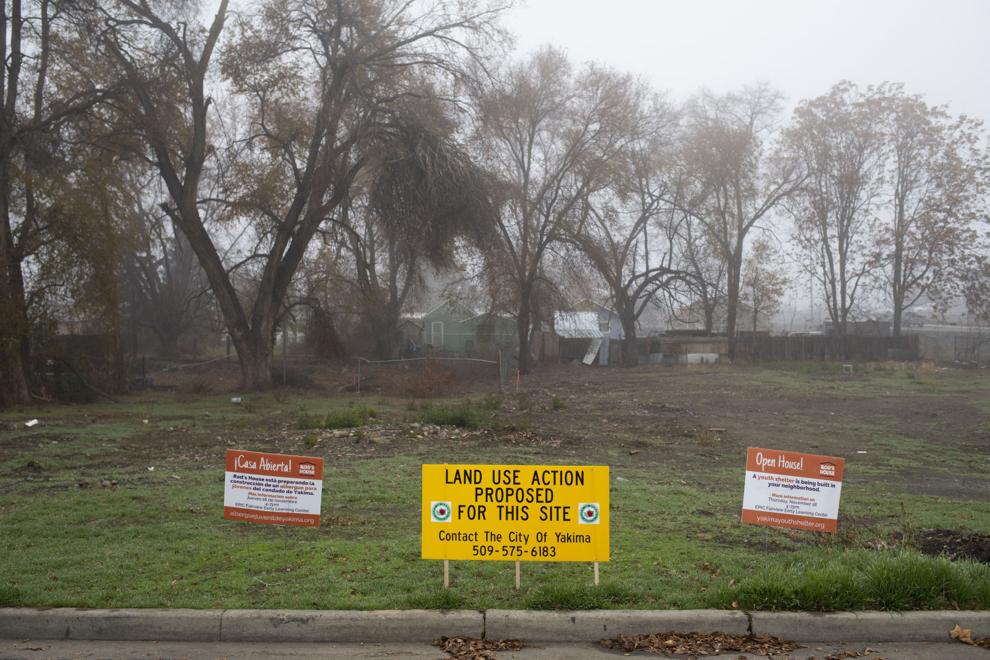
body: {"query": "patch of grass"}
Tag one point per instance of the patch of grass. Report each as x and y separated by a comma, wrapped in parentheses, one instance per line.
(347, 418)
(311, 440)
(10, 597)
(676, 540)
(306, 422)
(465, 415)
(436, 598)
(572, 597)
(491, 402)
(556, 403)
(861, 579)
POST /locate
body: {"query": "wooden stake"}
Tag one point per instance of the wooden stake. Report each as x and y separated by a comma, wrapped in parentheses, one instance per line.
(596, 573)
(446, 573)
(518, 577)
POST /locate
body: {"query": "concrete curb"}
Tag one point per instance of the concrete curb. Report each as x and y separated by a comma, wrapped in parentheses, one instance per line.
(593, 625)
(349, 625)
(126, 625)
(425, 625)
(869, 626)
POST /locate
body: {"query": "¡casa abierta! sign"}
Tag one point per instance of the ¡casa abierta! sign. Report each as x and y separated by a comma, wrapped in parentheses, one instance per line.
(515, 512)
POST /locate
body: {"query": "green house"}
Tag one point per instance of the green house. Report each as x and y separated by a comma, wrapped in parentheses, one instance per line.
(456, 329)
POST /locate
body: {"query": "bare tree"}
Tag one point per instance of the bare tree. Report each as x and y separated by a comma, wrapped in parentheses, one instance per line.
(319, 81)
(702, 259)
(548, 134)
(764, 285)
(38, 50)
(165, 281)
(628, 231)
(422, 194)
(738, 178)
(938, 172)
(839, 137)
(976, 285)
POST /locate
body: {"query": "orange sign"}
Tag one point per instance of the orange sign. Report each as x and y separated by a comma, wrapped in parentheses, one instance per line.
(792, 490)
(276, 489)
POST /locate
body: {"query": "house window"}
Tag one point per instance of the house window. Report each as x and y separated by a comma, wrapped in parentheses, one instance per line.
(436, 333)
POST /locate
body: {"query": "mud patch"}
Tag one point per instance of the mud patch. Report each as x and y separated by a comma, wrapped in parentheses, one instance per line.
(953, 544)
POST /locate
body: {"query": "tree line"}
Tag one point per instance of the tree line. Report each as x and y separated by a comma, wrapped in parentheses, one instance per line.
(169, 163)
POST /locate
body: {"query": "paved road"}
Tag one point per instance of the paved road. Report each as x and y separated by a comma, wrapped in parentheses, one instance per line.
(43, 650)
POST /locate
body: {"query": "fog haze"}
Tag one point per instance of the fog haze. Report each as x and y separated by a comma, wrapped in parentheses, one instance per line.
(802, 47)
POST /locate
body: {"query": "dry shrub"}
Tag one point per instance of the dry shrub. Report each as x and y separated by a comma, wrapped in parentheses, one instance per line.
(194, 386)
(426, 381)
(293, 377)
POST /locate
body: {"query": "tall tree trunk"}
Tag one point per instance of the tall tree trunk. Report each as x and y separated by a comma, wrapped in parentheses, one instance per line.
(709, 308)
(255, 358)
(168, 340)
(898, 292)
(630, 342)
(15, 353)
(523, 323)
(14, 371)
(732, 301)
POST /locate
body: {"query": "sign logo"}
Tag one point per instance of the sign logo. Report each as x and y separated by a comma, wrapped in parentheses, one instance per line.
(307, 469)
(588, 513)
(440, 512)
(826, 469)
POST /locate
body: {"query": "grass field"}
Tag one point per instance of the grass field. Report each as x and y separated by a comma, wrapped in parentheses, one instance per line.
(120, 505)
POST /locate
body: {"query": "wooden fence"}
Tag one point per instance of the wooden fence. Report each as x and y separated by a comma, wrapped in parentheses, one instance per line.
(819, 347)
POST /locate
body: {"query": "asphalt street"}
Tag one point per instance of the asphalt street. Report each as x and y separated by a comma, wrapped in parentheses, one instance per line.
(46, 649)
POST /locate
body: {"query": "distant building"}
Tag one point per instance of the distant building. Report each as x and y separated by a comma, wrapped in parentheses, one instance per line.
(586, 326)
(459, 330)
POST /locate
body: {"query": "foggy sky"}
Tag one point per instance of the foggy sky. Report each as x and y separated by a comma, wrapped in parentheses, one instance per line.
(802, 47)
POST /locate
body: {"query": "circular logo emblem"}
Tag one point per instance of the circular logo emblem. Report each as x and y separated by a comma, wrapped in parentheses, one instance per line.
(441, 511)
(588, 513)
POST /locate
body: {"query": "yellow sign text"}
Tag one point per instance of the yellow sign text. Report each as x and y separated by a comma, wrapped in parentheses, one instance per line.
(515, 512)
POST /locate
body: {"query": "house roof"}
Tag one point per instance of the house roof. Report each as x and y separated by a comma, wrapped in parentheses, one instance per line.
(587, 305)
(451, 306)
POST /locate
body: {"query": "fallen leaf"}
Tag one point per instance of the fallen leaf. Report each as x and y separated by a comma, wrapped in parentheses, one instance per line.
(964, 635)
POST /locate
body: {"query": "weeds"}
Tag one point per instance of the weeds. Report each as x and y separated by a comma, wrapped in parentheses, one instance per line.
(862, 579)
(565, 597)
(341, 419)
(465, 415)
(491, 402)
(10, 597)
(436, 599)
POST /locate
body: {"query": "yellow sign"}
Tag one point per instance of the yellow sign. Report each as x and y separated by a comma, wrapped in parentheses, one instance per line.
(515, 512)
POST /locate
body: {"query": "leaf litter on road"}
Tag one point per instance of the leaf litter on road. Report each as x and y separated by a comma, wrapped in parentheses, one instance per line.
(699, 644)
(471, 648)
